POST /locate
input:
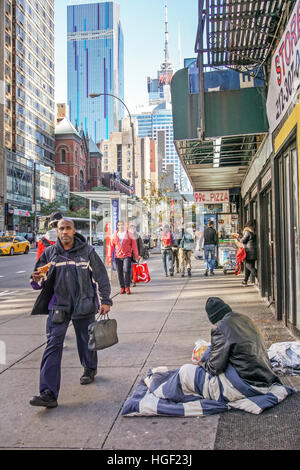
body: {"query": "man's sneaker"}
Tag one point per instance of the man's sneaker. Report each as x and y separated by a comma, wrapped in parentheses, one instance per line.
(122, 291)
(171, 273)
(127, 290)
(46, 398)
(212, 273)
(189, 273)
(88, 376)
(244, 283)
(206, 272)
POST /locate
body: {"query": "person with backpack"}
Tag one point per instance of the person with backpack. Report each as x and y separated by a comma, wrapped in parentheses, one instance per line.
(50, 237)
(210, 245)
(185, 253)
(248, 241)
(167, 241)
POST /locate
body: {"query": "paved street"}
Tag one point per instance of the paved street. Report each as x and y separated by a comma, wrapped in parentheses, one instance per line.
(157, 326)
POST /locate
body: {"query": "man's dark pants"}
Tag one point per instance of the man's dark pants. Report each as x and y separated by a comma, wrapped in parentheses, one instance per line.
(124, 271)
(50, 372)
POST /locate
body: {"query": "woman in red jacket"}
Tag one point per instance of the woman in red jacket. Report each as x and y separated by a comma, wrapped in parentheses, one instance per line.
(124, 243)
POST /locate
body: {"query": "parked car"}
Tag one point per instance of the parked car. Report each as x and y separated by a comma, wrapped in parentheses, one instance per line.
(9, 245)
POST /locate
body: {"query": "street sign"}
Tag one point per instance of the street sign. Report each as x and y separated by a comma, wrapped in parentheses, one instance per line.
(211, 197)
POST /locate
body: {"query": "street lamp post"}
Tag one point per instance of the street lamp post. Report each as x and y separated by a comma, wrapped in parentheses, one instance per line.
(96, 95)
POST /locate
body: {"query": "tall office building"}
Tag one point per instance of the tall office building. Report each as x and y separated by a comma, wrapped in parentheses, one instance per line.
(27, 97)
(95, 65)
(157, 119)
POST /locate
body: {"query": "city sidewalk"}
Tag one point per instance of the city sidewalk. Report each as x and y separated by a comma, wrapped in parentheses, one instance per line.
(157, 326)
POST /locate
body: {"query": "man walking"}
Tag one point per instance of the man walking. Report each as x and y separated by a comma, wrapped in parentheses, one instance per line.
(167, 241)
(185, 253)
(210, 244)
(124, 244)
(75, 287)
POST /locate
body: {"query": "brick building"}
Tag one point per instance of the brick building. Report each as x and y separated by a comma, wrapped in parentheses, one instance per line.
(77, 156)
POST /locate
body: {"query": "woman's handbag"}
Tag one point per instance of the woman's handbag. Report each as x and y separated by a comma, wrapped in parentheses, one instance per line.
(102, 333)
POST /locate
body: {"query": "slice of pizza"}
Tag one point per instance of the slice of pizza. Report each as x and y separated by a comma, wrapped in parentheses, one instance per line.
(44, 269)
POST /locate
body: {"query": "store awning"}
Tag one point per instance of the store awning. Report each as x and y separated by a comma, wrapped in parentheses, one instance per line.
(235, 123)
(217, 132)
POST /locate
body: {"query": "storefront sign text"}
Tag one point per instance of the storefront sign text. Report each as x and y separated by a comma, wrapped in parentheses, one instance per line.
(211, 197)
(285, 71)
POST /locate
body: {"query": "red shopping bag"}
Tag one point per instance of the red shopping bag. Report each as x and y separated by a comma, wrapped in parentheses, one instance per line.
(240, 257)
(140, 273)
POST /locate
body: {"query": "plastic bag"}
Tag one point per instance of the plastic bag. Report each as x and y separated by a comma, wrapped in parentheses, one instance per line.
(285, 357)
(199, 349)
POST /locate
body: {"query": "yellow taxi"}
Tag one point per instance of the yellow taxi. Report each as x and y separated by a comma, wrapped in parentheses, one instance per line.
(11, 244)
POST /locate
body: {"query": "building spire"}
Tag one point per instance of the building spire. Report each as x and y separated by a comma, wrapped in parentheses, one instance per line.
(166, 65)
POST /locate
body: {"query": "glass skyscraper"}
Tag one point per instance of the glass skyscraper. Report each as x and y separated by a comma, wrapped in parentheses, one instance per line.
(95, 65)
(158, 115)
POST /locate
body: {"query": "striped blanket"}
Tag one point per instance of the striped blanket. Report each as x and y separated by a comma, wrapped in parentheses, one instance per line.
(191, 391)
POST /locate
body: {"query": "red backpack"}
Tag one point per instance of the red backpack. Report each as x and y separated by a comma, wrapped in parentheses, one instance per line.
(166, 239)
(240, 257)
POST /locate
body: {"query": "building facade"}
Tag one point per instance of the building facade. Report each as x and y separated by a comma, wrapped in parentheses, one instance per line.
(95, 65)
(134, 168)
(158, 121)
(77, 156)
(238, 134)
(27, 97)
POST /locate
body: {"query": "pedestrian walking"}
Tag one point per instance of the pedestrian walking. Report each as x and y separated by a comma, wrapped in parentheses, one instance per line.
(140, 247)
(175, 249)
(50, 237)
(124, 244)
(248, 241)
(210, 245)
(187, 245)
(167, 241)
(75, 288)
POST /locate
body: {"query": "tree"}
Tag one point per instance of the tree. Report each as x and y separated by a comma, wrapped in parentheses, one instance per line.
(48, 207)
(155, 199)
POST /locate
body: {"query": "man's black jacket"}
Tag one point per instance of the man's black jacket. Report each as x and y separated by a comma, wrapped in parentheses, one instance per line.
(210, 236)
(77, 280)
(237, 341)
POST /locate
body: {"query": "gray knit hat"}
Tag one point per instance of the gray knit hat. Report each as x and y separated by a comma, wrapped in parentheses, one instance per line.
(216, 309)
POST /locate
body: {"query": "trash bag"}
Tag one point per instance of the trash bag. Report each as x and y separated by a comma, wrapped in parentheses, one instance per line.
(285, 357)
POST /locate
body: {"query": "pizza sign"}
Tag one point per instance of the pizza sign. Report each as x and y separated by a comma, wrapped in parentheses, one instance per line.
(211, 197)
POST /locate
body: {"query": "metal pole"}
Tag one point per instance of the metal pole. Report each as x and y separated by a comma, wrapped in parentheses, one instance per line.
(96, 95)
(90, 213)
(34, 198)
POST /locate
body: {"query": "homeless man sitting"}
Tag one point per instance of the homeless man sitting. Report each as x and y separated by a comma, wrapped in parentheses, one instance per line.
(237, 341)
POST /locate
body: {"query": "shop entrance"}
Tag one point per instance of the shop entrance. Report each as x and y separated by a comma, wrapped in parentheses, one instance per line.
(288, 233)
(267, 246)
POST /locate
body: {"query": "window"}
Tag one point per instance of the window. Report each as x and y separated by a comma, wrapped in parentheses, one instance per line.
(63, 156)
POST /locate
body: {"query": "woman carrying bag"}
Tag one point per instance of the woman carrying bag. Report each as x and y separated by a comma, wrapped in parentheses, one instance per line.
(248, 241)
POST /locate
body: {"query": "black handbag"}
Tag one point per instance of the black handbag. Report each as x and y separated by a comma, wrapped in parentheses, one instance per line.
(102, 333)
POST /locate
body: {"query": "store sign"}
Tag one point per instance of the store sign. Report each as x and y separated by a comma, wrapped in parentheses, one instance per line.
(211, 197)
(285, 71)
(21, 213)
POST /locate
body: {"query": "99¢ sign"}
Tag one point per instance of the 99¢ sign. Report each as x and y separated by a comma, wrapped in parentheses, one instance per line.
(211, 197)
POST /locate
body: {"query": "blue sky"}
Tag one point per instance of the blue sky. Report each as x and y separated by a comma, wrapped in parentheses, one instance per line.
(143, 28)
